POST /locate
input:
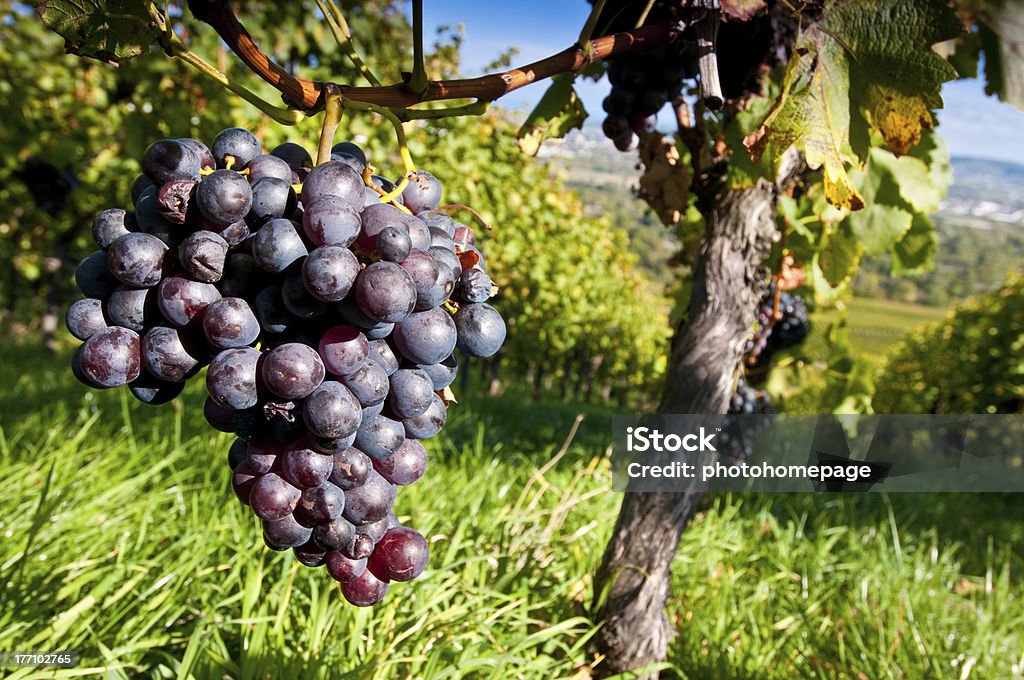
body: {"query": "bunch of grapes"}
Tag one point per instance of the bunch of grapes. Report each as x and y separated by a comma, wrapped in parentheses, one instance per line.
(736, 440)
(327, 320)
(641, 86)
(643, 83)
(774, 334)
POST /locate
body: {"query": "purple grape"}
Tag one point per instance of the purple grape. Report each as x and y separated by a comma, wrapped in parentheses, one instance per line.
(233, 233)
(401, 555)
(332, 446)
(182, 300)
(423, 270)
(230, 322)
(411, 392)
(169, 160)
(369, 383)
(375, 219)
(359, 548)
(171, 354)
(273, 498)
(329, 272)
(231, 378)
(370, 501)
(439, 238)
(474, 286)
(270, 310)
(111, 357)
(351, 149)
(85, 317)
(153, 391)
(272, 198)
(236, 144)
(242, 276)
(393, 244)
(341, 568)
(332, 412)
(443, 373)
(320, 504)
(263, 455)
(292, 370)
(174, 200)
(334, 535)
(429, 423)
(385, 292)
(354, 316)
(351, 468)
(446, 258)
(426, 337)
(381, 353)
(305, 468)
(131, 307)
(481, 330)
(331, 221)
(298, 301)
(218, 417)
(109, 226)
(243, 479)
(136, 260)
(297, 158)
(343, 349)
(365, 590)
(286, 532)
(310, 554)
(423, 192)
(277, 246)
(202, 255)
(405, 466)
(224, 197)
(438, 292)
(332, 179)
(379, 437)
(268, 165)
(237, 453)
(440, 220)
(201, 151)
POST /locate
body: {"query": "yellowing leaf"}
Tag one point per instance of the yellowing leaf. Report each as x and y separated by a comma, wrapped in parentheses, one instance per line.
(895, 75)
(743, 10)
(813, 112)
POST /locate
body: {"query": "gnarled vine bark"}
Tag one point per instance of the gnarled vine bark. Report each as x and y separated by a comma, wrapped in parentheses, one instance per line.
(729, 279)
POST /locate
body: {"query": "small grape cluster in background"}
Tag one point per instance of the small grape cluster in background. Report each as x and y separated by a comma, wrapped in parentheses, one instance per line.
(327, 320)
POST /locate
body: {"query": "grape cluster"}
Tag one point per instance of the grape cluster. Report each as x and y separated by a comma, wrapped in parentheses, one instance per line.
(641, 86)
(643, 83)
(788, 330)
(736, 440)
(327, 320)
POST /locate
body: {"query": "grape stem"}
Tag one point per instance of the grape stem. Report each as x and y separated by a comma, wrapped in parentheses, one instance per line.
(333, 111)
(418, 81)
(176, 48)
(643, 15)
(588, 29)
(343, 36)
(307, 95)
(456, 207)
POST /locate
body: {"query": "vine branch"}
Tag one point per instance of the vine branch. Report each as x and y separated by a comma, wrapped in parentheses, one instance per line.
(307, 95)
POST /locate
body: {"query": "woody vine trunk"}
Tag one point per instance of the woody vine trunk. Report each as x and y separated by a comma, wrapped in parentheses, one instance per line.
(729, 279)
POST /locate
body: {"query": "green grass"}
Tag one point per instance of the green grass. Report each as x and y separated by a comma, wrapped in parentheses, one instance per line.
(119, 537)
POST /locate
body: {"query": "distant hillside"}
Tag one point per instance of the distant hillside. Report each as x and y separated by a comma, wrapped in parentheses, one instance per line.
(986, 188)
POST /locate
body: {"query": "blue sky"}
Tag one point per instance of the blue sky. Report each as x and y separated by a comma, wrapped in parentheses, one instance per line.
(972, 123)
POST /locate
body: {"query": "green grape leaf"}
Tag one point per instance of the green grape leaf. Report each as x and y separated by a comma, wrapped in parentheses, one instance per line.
(867, 65)
(1002, 39)
(113, 31)
(813, 113)
(558, 111)
(915, 252)
(895, 75)
(838, 258)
